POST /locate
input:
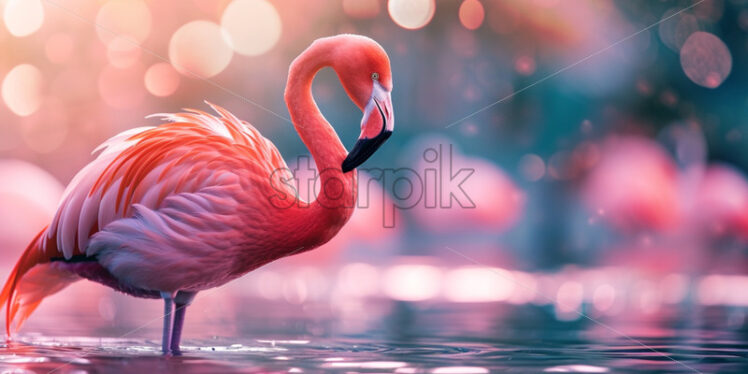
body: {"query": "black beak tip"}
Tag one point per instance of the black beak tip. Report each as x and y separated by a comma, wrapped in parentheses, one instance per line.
(363, 149)
(347, 166)
(366, 147)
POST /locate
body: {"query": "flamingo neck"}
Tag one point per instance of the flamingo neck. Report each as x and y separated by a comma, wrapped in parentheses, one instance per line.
(336, 199)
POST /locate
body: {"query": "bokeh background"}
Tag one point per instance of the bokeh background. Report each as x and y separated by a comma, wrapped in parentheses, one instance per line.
(607, 138)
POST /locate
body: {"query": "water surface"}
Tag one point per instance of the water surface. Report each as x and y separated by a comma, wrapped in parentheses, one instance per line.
(407, 338)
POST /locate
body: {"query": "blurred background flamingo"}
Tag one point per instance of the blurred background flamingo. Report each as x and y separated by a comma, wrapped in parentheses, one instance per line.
(634, 185)
(721, 207)
(496, 202)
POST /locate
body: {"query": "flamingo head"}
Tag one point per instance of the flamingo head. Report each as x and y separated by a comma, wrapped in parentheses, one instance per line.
(364, 70)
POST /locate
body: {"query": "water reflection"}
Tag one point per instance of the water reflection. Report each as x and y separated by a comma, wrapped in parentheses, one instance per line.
(414, 338)
(573, 320)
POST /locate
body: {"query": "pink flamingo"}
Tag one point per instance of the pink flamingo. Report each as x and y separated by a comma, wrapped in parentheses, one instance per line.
(634, 185)
(168, 211)
(498, 201)
(721, 202)
(365, 227)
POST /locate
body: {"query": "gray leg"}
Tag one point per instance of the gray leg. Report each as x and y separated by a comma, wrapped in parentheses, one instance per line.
(168, 311)
(181, 301)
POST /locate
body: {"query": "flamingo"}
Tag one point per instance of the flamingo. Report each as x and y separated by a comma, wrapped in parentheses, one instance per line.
(200, 200)
(634, 185)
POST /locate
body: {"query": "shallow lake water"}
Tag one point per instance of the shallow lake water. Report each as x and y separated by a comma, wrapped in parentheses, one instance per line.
(403, 338)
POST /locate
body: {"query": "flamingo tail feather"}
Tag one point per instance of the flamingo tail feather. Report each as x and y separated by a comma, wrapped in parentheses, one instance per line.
(32, 279)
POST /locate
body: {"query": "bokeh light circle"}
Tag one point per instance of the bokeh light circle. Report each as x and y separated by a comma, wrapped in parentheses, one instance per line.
(161, 79)
(705, 59)
(23, 17)
(676, 26)
(123, 18)
(471, 14)
(524, 65)
(253, 27)
(199, 48)
(532, 167)
(22, 89)
(411, 14)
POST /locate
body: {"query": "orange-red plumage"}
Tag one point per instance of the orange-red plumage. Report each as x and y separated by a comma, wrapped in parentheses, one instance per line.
(196, 196)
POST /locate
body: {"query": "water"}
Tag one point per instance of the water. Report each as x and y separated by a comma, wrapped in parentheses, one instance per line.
(401, 337)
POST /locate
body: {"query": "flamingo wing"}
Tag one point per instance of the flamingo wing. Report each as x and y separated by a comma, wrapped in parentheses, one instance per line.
(153, 198)
(196, 153)
(159, 196)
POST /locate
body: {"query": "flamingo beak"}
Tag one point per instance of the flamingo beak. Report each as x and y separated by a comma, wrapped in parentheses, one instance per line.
(376, 127)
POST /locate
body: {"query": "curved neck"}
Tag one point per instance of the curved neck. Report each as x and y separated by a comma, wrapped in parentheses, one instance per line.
(336, 200)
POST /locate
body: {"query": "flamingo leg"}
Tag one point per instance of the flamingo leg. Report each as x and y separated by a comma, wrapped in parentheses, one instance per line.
(181, 301)
(168, 311)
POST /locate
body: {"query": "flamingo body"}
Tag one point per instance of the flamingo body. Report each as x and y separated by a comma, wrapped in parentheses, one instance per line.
(187, 197)
(722, 202)
(171, 210)
(634, 185)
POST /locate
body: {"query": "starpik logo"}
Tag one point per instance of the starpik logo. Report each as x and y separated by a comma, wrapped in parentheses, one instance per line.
(435, 183)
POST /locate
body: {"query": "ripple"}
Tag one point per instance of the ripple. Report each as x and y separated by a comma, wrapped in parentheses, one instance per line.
(536, 349)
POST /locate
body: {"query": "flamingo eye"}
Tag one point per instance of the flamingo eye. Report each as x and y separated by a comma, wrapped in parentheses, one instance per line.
(375, 76)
